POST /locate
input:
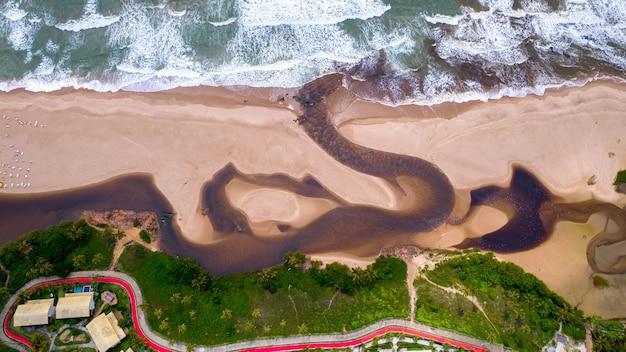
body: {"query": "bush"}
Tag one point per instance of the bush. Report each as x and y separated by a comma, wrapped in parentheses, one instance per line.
(145, 236)
(600, 282)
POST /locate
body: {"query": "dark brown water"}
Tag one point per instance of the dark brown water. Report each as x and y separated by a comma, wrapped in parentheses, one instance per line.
(20, 214)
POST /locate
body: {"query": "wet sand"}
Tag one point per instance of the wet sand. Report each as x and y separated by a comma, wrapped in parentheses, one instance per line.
(183, 137)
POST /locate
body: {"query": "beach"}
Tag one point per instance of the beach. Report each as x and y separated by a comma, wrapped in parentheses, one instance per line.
(182, 137)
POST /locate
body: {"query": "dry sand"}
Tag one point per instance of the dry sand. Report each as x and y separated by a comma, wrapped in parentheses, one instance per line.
(183, 137)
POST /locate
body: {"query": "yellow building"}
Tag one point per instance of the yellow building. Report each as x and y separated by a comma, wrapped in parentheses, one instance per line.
(75, 305)
(34, 312)
(105, 332)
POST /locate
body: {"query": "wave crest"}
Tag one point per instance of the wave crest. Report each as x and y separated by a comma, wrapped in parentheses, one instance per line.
(255, 13)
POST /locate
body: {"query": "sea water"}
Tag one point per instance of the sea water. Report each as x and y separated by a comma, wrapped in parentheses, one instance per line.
(394, 51)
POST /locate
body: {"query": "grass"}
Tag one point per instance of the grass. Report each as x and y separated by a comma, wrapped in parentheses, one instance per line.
(299, 304)
(437, 307)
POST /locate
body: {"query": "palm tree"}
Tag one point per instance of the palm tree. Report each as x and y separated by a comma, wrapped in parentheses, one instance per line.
(39, 342)
(175, 297)
(192, 315)
(32, 273)
(97, 259)
(267, 275)
(293, 259)
(283, 323)
(78, 262)
(303, 329)
(491, 336)
(44, 266)
(24, 247)
(24, 296)
(248, 326)
(199, 282)
(4, 293)
(190, 347)
(158, 312)
(164, 325)
(182, 328)
(256, 313)
(226, 314)
(76, 233)
(186, 300)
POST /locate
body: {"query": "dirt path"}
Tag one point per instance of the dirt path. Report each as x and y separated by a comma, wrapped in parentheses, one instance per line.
(132, 236)
(472, 299)
(410, 277)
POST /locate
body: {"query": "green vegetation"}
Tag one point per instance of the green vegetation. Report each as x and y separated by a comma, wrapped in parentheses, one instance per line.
(5, 348)
(57, 250)
(145, 236)
(608, 335)
(600, 282)
(620, 177)
(451, 311)
(192, 307)
(525, 312)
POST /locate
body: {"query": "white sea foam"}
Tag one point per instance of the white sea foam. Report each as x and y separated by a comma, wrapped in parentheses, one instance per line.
(90, 19)
(12, 11)
(278, 12)
(224, 23)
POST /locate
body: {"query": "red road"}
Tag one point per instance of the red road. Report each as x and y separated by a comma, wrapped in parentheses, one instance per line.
(302, 346)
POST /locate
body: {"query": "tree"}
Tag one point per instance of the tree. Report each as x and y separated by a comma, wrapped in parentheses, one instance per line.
(248, 326)
(39, 342)
(267, 275)
(136, 342)
(4, 293)
(200, 282)
(175, 297)
(76, 233)
(24, 296)
(78, 262)
(24, 247)
(294, 259)
(227, 314)
(97, 259)
(44, 267)
(186, 300)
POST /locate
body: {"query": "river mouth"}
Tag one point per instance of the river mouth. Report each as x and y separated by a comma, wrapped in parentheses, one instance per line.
(350, 228)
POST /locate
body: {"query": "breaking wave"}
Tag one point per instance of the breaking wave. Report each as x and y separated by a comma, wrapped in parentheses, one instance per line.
(421, 53)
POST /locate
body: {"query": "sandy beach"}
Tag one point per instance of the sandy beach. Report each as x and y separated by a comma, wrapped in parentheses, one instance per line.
(72, 138)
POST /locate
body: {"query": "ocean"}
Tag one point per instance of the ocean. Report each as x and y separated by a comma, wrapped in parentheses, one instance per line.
(392, 51)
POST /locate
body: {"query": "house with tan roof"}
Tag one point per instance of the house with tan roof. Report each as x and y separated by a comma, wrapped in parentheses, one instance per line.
(105, 331)
(34, 312)
(75, 305)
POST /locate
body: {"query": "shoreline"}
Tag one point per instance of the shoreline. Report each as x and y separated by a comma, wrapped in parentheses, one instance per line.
(182, 137)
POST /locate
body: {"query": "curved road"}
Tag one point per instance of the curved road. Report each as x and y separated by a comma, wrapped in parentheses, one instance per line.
(267, 345)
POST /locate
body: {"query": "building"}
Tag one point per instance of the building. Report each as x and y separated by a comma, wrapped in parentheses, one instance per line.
(75, 305)
(34, 312)
(105, 332)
